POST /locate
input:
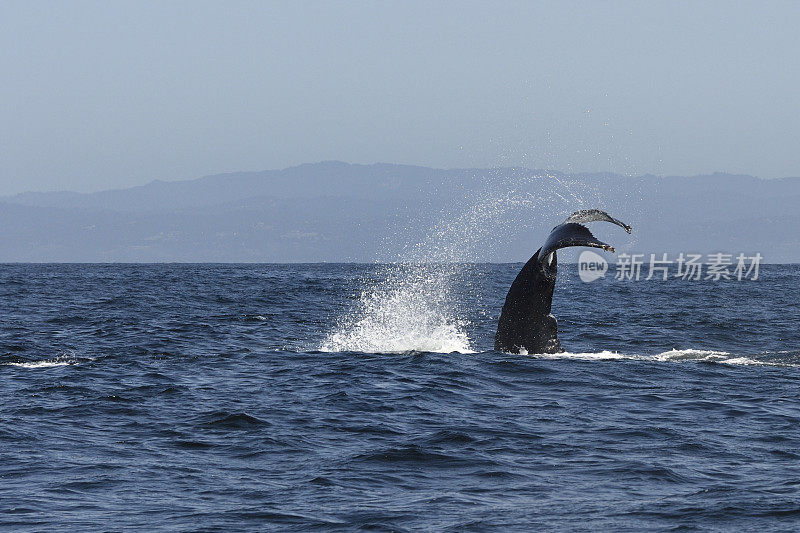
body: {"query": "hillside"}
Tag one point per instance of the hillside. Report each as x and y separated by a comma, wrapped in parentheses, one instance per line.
(335, 211)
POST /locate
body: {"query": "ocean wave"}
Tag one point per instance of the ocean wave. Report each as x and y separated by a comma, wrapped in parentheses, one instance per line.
(41, 364)
(677, 356)
(66, 359)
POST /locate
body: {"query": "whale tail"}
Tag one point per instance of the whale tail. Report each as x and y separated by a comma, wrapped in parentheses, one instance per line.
(594, 215)
(570, 234)
(525, 322)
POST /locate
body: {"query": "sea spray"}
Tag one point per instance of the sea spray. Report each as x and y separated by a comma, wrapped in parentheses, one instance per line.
(409, 311)
(413, 307)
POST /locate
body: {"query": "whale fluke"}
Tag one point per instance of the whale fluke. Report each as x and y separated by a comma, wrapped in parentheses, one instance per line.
(525, 322)
(594, 215)
(571, 234)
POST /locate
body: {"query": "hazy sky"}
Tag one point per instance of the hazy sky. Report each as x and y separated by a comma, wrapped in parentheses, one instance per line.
(97, 95)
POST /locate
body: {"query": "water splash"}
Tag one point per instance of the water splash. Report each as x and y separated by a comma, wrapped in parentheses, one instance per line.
(408, 311)
(414, 307)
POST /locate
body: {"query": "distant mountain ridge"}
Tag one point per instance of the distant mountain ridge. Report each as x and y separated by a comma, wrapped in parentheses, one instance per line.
(334, 211)
(304, 181)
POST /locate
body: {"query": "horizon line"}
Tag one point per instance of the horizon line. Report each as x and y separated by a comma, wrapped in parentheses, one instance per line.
(377, 263)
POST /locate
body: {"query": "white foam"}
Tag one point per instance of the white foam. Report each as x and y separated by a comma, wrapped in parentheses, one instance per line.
(692, 355)
(410, 311)
(42, 364)
(675, 356)
(66, 358)
(605, 354)
(742, 361)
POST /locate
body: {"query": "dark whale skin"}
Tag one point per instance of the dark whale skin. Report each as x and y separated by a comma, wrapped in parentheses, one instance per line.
(526, 324)
(525, 321)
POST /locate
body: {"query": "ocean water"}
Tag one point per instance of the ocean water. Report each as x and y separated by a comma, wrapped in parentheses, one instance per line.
(368, 397)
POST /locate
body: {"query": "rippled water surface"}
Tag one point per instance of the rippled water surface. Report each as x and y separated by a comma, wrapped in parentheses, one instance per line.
(342, 397)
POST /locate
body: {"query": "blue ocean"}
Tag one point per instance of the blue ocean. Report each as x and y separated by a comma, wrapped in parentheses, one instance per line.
(342, 397)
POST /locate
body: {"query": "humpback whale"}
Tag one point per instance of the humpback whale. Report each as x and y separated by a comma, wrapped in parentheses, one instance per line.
(525, 322)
